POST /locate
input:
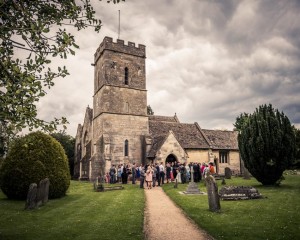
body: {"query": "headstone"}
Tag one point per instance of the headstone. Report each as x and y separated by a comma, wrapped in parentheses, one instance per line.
(212, 192)
(31, 197)
(228, 173)
(223, 181)
(246, 174)
(176, 184)
(46, 190)
(42, 192)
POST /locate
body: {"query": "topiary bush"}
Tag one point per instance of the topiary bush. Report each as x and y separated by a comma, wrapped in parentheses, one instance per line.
(29, 160)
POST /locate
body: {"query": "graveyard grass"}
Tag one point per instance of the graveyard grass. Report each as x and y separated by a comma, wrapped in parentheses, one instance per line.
(277, 216)
(82, 214)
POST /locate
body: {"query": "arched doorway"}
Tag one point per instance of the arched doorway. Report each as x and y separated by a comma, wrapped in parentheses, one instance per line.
(171, 158)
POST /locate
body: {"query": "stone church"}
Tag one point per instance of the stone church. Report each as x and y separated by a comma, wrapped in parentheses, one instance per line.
(118, 130)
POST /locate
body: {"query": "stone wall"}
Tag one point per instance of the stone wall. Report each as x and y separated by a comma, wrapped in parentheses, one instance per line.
(197, 155)
(120, 100)
(110, 70)
(233, 164)
(119, 128)
(171, 146)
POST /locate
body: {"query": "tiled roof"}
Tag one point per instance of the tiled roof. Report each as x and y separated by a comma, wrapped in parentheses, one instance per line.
(156, 145)
(163, 118)
(188, 135)
(222, 139)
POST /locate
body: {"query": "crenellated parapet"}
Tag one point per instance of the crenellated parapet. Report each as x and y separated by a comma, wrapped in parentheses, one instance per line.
(119, 46)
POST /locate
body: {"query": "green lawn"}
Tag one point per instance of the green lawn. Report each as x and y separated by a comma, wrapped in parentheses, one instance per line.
(85, 214)
(277, 216)
(82, 214)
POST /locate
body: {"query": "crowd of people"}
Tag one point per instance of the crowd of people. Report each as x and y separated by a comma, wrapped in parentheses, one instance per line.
(157, 174)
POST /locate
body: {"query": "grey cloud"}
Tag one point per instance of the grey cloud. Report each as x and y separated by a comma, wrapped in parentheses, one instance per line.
(208, 61)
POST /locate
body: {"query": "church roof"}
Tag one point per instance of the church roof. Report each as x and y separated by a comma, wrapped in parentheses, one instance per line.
(189, 136)
(220, 139)
(158, 141)
(163, 118)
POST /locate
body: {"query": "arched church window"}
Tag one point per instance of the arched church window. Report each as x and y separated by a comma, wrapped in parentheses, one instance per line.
(126, 148)
(126, 75)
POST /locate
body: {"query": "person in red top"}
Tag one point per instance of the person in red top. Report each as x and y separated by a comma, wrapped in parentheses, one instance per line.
(211, 168)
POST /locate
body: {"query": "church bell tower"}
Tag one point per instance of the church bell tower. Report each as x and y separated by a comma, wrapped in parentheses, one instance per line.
(120, 118)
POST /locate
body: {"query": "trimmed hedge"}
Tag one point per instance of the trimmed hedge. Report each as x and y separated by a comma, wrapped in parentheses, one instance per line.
(29, 160)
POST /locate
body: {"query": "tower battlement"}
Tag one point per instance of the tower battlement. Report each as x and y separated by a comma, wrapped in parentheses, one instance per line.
(120, 46)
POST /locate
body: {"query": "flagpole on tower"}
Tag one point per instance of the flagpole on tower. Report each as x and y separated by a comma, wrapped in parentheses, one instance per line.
(119, 26)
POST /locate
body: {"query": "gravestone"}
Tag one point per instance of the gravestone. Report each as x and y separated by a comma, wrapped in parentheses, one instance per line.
(246, 174)
(212, 193)
(37, 195)
(46, 190)
(42, 192)
(176, 184)
(239, 193)
(223, 181)
(228, 173)
(31, 197)
(192, 187)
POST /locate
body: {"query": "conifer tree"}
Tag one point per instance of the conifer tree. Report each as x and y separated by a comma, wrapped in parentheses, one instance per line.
(267, 143)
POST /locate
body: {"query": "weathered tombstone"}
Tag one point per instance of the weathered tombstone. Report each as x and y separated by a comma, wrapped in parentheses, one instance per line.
(31, 197)
(42, 192)
(176, 184)
(212, 192)
(228, 173)
(46, 190)
(246, 174)
(223, 181)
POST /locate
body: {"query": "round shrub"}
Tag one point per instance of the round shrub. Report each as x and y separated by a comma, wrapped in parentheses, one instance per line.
(29, 160)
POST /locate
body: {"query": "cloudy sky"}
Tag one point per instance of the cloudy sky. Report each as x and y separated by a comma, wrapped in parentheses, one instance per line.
(207, 60)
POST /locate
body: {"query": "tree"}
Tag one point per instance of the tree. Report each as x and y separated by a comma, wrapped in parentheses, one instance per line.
(32, 33)
(149, 110)
(267, 143)
(31, 159)
(296, 163)
(68, 143)
(241, 121)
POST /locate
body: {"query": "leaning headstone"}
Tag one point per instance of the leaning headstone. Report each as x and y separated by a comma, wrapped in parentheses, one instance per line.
(212, 192)
(228, 173)
(31, 197)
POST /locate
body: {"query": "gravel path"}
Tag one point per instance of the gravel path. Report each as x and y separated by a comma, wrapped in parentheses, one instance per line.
(164, 220)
